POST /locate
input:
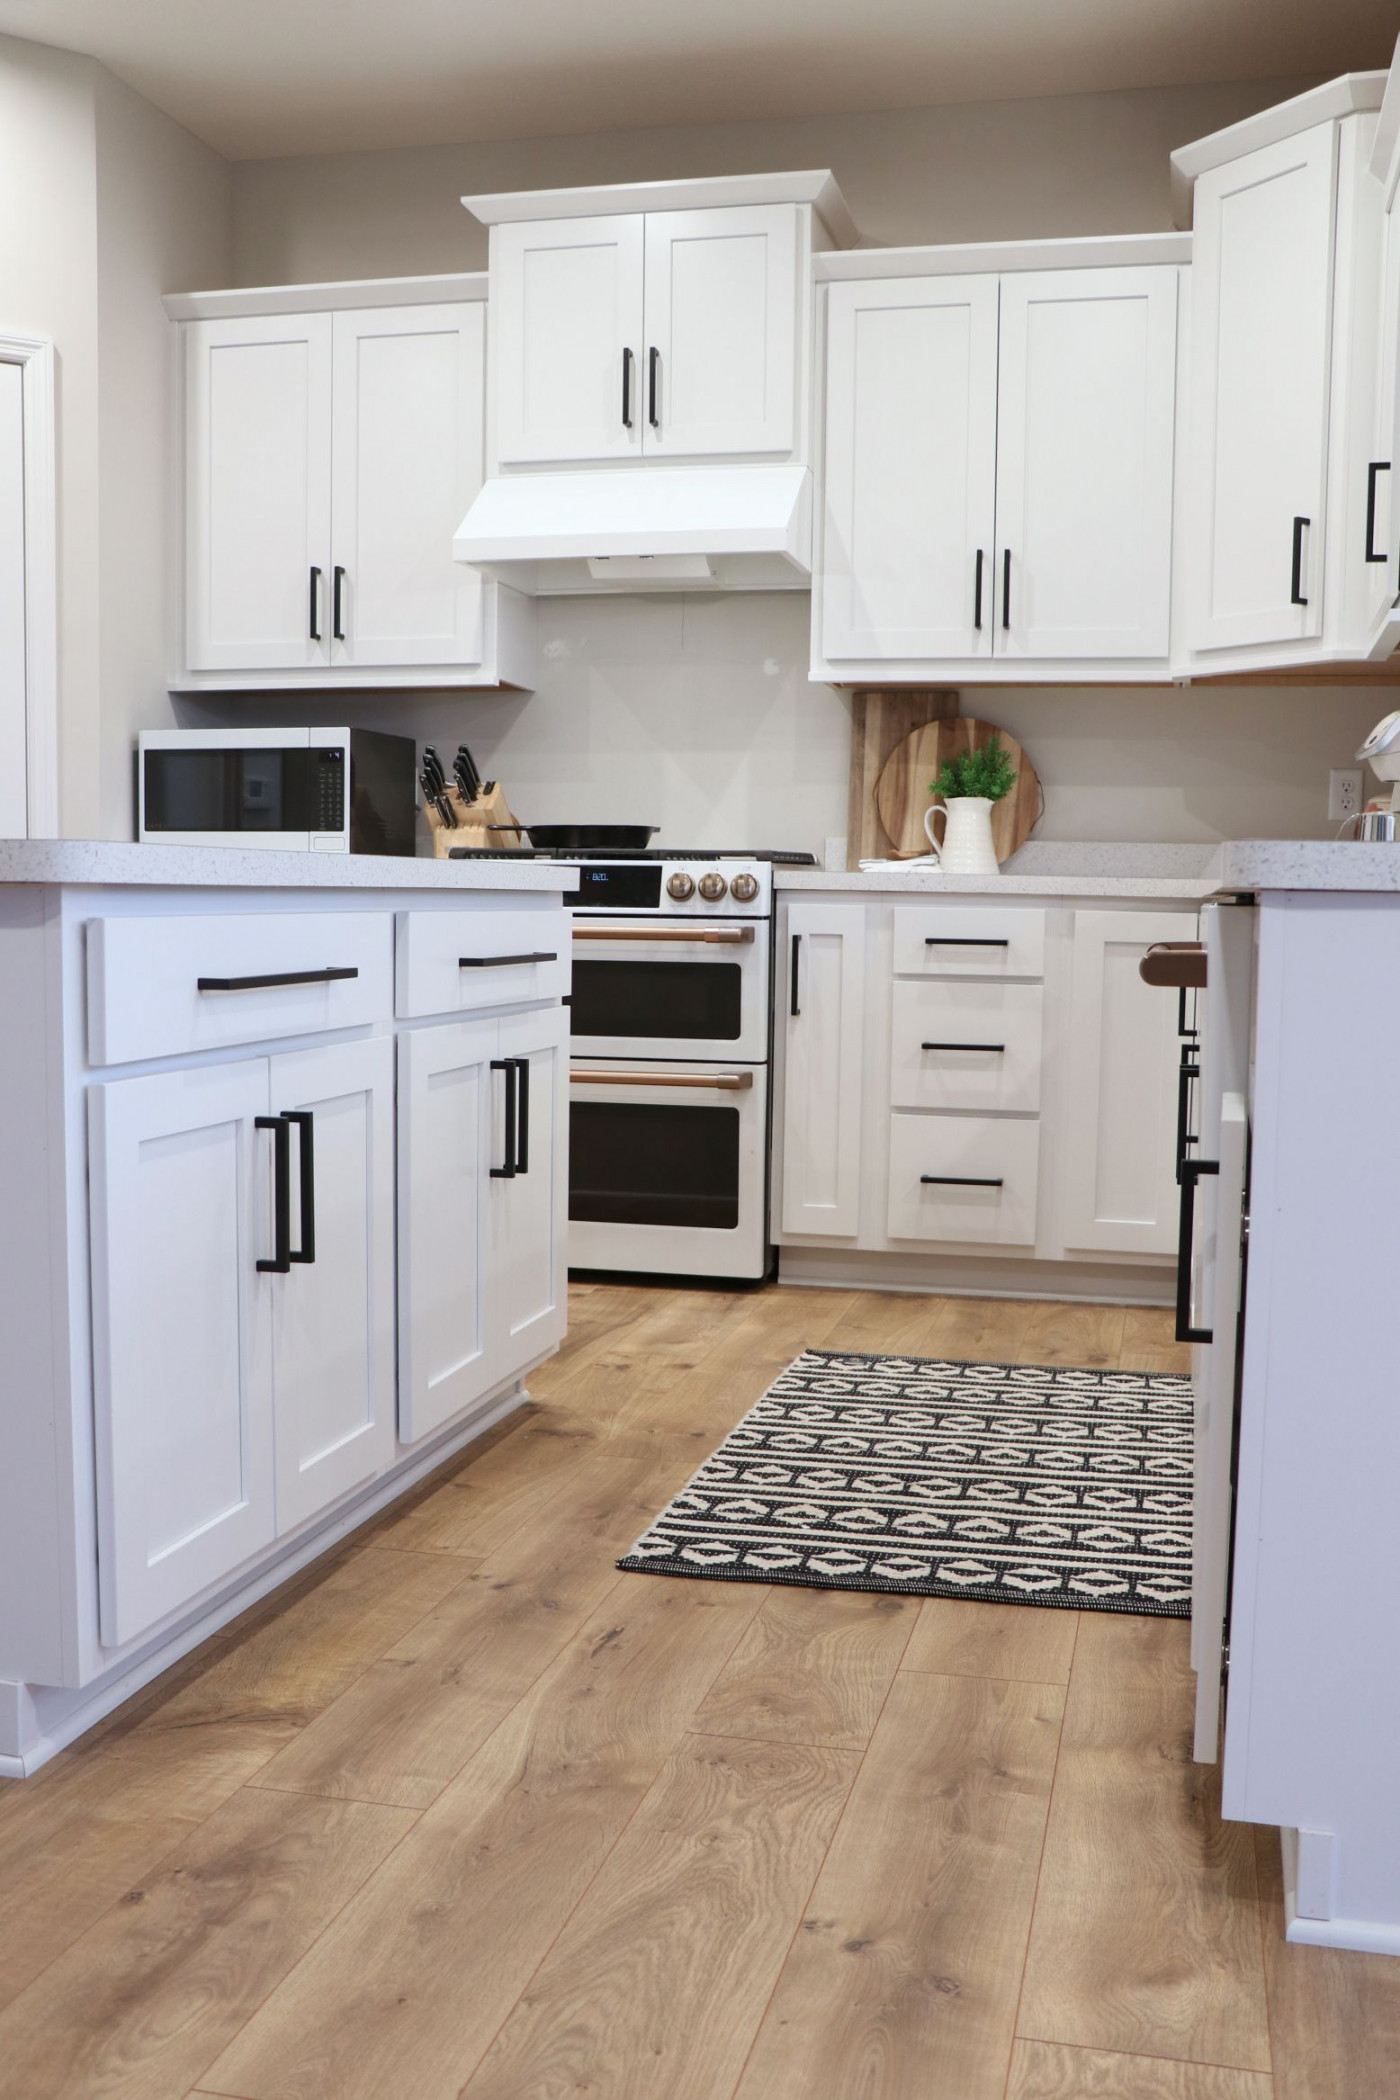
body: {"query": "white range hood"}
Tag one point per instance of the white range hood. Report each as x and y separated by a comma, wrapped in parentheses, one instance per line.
(730, 528)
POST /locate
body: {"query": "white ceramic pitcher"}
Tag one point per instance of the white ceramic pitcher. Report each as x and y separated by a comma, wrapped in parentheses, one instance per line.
(967, 847)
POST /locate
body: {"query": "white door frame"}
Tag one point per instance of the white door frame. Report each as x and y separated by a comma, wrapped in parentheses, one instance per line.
(34, 354)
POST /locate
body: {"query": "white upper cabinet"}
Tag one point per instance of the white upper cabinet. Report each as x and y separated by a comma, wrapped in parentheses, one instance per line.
(329, 457)
(999, 461)
(1085, 434)
(257, 492)
(567, 317)
(721, 307)
(911, 432)
(1261, 333)
(407, 435)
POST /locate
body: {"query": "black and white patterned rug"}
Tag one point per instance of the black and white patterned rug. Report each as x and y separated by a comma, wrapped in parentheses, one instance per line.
(1016, 1483)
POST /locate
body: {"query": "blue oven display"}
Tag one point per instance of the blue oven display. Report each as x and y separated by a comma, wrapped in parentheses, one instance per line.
(634, 887)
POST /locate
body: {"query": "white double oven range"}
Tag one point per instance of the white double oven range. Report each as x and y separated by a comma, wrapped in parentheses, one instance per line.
(671, 1048)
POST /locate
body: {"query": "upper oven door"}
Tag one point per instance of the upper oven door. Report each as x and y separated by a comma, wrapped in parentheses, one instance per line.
(661, 988)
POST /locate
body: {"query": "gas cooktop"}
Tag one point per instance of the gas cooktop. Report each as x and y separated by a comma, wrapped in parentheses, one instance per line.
(775, 855)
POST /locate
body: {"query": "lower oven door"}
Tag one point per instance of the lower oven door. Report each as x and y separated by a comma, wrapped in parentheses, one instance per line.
(667, 1168)
(671, 988)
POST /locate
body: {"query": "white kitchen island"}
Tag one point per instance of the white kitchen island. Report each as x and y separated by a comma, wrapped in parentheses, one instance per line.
(284, 1218)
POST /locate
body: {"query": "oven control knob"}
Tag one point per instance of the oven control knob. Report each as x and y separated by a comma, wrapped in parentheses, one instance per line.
(712, 886)
(744, 888)
(680, 886)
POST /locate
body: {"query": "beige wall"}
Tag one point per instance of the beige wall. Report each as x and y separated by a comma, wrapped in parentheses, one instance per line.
(981, 171)
(164, 223)
(48, 287)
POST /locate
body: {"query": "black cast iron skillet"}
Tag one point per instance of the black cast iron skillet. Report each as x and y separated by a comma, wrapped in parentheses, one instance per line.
(568, 838)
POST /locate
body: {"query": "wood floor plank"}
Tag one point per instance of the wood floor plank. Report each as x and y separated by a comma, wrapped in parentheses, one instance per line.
(1087, 1335)
(141, 2004)
(1121, 1651)
(814, 1667)
(902, 1981)
(1146, 1937)
(408, 1988)
(960, 1637)
(983, 1330)
(485, 1499)
(1335, 2018)
(893, 1323)
(291, 1660)
(1048, 2071)
(694, 1911)
(407, 1726)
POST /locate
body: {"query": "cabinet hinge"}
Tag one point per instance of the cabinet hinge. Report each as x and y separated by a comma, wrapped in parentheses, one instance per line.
(1224, 1662)
(1244, 1232)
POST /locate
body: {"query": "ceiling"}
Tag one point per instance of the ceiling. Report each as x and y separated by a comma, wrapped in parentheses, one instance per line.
(264, 77)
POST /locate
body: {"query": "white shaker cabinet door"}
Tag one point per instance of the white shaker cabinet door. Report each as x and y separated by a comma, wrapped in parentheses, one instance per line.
(258, 493)
(1261, 300)
(181, 1204)
(911, 433)
(446, 1136)
(1085, 439)
(721, 330)
(333, 1311)
(409, 385)
(527, 1273)
(823, 1001)
(567, 355)
(1119, 1171)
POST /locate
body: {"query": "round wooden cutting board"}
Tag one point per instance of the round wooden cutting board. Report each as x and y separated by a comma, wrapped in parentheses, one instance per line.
(902, 790)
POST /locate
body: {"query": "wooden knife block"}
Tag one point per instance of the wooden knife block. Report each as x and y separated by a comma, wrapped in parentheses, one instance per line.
(485, 822)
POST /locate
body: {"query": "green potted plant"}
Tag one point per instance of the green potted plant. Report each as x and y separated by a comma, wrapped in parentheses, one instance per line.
(970, 783)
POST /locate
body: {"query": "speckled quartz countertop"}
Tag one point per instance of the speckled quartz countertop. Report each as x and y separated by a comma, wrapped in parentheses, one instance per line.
(1311, 864)
(1099, 869)
(95, 863)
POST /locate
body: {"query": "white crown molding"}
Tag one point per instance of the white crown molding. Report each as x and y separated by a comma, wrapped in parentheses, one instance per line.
(1092, 252)
(325, 298)
(1349, 95)
(815, 186)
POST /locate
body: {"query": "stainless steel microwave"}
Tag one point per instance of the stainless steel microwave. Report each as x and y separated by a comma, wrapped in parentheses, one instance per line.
(327, 790)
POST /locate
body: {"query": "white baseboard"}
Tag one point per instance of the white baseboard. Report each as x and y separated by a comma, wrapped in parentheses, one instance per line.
(1348, 1935)
(37, 1721)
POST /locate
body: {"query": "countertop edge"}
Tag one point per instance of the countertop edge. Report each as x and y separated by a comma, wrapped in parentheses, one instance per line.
(98, 864)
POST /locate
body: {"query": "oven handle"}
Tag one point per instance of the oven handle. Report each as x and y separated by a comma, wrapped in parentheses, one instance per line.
(723, 1082)
(716, 936)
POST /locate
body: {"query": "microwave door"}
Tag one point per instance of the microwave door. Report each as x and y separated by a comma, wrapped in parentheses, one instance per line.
(232, 795)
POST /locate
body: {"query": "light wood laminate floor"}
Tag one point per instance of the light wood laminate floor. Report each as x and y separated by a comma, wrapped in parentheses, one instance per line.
(464, 1812)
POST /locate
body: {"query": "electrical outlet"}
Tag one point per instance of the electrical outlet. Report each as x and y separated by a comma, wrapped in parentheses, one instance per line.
(1343, 792)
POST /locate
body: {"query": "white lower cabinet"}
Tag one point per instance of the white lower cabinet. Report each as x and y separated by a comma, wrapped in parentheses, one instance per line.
(823, 1000)
(1119, 1189)
(482, 1209)
(182, 1336)
(976, 1076)
(333, 1312)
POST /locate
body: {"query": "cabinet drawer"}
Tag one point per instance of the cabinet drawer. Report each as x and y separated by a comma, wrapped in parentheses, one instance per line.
(968, 940)
(968, 1150)
(162, 987)
(965, 1045)
(457, 962)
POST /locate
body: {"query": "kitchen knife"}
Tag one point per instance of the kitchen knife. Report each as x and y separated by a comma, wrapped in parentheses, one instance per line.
(466, 779)
(442, 801)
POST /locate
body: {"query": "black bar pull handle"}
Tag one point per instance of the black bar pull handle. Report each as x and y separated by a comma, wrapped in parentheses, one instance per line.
(333, 975)
(1187, 1072)
(510, 1066)
(997, 1048)
(337, 604)
(1191, 1172)
(977, 591)
(306, 1124)
(653, 376)
(961, 940)
(1006, 587)
(1377, 466)
(627, 362)
(314, 613)
(963, 1181)
(522, 1119)
(1297, 597)
(281, 1194)
(505, 962)
(793, 1008)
